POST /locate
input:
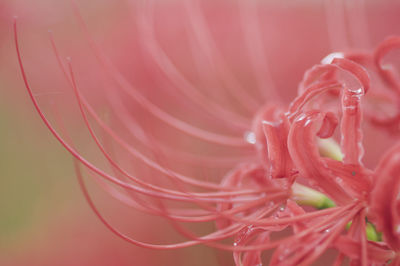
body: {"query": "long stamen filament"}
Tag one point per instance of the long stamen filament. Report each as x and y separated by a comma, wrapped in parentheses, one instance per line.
(370, 231)
(307, 196)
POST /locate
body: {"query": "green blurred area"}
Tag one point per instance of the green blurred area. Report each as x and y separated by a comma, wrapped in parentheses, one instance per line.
(33, 173)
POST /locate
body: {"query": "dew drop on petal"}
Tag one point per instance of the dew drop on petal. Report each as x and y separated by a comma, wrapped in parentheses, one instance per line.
(308, 122)
(300, 117)
(329, 58)
(284, 253)
(339, 180)
(250, 137)
(357, 93)
(398, 229)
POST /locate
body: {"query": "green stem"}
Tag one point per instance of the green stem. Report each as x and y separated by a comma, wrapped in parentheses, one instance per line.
(307, 196)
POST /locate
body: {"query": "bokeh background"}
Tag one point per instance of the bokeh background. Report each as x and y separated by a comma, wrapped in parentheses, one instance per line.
(44, 219)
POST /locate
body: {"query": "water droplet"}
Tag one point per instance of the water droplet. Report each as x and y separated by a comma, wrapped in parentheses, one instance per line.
(308, 121)
(235, 244)
(327, 230)
(357, 92)
(300, 117)
(339, 180)
(350, 107)
(284, 253)
(398, 229)
(329, 58)
(250, 137)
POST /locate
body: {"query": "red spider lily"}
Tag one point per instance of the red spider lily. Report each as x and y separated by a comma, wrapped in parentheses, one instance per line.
(347, 182)
(257, 199)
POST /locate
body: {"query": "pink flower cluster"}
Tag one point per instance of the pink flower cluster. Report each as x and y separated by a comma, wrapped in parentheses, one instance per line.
(305, 192)
(331, 93)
